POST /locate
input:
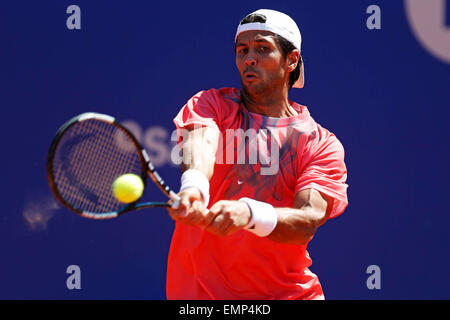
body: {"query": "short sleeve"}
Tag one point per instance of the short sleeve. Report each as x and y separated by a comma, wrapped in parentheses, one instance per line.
(324, 169)
(201, 111)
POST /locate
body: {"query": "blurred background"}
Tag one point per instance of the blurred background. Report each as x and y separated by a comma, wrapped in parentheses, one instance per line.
(383, 92)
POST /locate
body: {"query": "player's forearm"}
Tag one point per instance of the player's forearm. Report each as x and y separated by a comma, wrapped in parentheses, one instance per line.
(199, 150)
(296, 226)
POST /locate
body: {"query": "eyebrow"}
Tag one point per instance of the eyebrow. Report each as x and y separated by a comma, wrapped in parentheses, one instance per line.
(256, 40)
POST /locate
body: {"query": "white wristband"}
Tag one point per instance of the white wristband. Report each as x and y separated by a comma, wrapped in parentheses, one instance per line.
(195, 178)
(264, 217)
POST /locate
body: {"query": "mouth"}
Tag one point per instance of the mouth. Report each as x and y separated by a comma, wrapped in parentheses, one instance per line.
(249, 76)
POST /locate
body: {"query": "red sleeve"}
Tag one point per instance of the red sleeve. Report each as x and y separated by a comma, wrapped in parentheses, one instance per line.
(324, 170)
(201, 110)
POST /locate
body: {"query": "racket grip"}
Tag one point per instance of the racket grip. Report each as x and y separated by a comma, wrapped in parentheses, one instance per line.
(176, 200)
(175, 204)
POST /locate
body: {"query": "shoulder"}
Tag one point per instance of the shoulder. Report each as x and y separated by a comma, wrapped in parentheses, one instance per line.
(326, 137)
(230, 94)
(325, 145)
(220, 105)
(320, 140)
(224, 101)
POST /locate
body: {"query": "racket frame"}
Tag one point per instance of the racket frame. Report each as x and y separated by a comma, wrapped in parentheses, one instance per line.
(147, 165)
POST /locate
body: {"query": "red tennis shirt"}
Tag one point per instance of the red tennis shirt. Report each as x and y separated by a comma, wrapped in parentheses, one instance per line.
(266, 159)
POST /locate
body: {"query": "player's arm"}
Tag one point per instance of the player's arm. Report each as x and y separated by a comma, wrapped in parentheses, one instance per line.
(199, 148)
(297, 225)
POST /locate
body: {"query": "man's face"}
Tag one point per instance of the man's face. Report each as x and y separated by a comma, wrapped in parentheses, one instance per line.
(260, 62)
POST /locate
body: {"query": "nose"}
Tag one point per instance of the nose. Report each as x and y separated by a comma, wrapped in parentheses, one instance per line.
(250, 60)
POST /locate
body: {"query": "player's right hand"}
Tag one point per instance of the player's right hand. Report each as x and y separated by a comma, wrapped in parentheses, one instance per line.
(191, 209)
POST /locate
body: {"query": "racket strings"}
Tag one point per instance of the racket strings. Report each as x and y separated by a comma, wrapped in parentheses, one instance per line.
(89, 157)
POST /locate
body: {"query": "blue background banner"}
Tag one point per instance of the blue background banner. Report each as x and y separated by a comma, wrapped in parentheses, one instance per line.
(383, 92)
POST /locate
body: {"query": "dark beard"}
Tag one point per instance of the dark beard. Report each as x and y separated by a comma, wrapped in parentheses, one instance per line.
(255, 90)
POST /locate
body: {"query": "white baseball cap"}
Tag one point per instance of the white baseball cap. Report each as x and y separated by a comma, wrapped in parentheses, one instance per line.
(280, 24)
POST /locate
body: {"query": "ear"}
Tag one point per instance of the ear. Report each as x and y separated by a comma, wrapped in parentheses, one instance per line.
(293, 58)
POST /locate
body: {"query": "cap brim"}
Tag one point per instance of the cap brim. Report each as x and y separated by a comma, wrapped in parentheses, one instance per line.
(301, 79)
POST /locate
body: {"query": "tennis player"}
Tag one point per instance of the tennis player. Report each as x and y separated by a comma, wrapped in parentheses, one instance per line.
(242, 227)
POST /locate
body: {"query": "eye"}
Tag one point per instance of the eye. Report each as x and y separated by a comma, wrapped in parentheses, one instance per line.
(242, 50)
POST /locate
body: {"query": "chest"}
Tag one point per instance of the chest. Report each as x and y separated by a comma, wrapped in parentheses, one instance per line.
(263, 162)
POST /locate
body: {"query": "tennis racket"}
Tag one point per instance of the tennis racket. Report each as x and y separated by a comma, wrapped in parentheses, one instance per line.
(85, 157)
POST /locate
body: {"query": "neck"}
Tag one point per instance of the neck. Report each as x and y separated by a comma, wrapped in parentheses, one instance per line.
(271, 104)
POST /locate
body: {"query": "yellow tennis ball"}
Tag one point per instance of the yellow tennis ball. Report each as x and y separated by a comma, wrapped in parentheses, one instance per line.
(128, 188)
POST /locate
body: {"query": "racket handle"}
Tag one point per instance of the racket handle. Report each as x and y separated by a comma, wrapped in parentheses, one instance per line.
(175, 204)
(176, 200)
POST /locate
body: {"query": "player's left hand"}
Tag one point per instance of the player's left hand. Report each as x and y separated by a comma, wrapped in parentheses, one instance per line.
(229, 217)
